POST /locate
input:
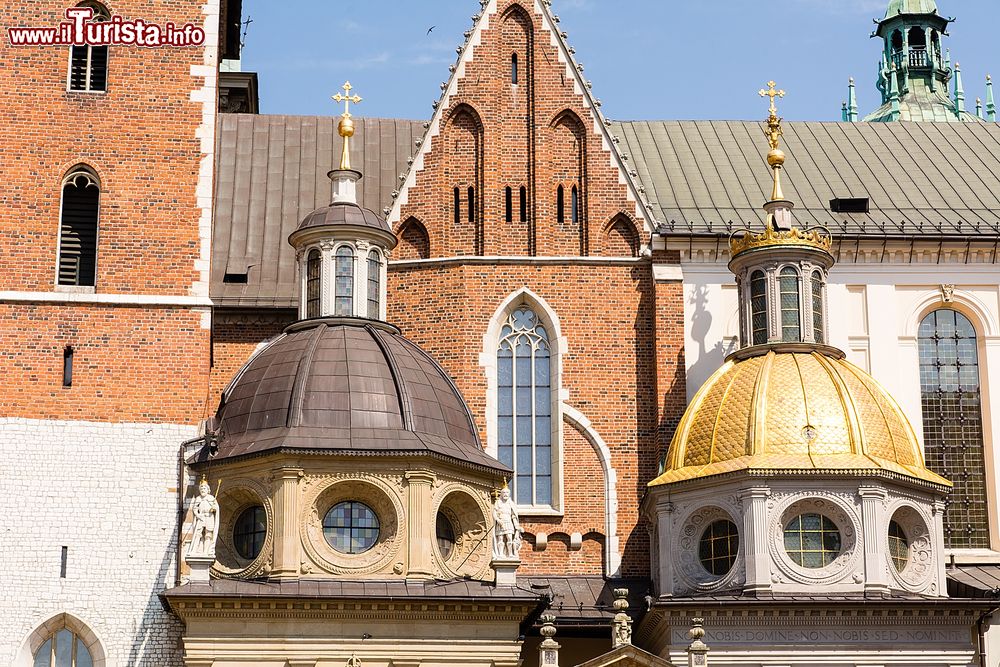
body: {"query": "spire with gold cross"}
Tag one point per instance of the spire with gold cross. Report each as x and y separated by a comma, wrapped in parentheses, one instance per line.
(346, 126)
(775, 157)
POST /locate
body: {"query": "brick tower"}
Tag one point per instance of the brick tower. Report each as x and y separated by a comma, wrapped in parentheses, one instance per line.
(524, 267)
(105, 232)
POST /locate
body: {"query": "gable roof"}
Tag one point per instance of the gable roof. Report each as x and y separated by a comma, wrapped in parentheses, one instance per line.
(271, 173)
(581, 86)
(626, 656)
(929, 179)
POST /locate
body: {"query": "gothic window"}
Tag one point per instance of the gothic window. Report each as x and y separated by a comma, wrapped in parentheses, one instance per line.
(81, 199)
(374, 284)
(524, 406)
(758, 308)
(88, 65)
(313, 273)
(953, 423)
(508, 204)
(513, 68)
(524, 204)
(560, 204)
(344, 282)
(791, 325)
(574, 205)
(64, 648)
(817, 307)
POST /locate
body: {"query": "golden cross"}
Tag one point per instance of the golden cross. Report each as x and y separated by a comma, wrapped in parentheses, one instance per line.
(772, 93)
(347, 98)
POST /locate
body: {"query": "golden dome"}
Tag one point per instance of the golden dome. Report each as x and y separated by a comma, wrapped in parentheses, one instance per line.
(802, 410)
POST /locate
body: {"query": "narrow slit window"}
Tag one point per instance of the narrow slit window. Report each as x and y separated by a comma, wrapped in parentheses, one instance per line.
(88, 65)
(458, 207)
(509, 204)
(374, 284)
(819, 335)
(560, 205)
(575, 205)
(513, 68)
(524, 204)
(67, 379)
(81, 199)
(791, 322)
(344, 279)
(472, 204)
(313, 277)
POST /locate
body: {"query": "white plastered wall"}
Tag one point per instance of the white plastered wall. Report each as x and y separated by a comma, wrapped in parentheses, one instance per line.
(108, 493)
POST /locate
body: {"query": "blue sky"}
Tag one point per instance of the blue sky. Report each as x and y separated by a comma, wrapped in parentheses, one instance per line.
(648, 59)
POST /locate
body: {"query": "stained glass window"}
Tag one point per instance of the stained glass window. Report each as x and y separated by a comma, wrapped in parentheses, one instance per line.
(351, 527)
(344, 278)
(374, 284)
(953, 423)
(718, 547)
(758, 307)
(524, 402)
(313, 272)
(819, 335)
(791, 323)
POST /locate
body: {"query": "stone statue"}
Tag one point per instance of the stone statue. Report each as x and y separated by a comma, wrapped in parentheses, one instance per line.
(205, 510)
(506, 527)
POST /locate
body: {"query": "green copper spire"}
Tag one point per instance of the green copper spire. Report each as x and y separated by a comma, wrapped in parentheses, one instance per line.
(843, 111)
(959, 91)
(911, 7)
(852, 101)
(979, 108)
(991, 107)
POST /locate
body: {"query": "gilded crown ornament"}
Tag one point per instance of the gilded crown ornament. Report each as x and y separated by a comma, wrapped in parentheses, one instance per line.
(817, 237)
(346, 126)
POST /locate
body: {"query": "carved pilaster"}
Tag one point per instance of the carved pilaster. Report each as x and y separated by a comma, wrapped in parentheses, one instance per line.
(419, 523)
(287, 545)
(874, 525)
(754, 500)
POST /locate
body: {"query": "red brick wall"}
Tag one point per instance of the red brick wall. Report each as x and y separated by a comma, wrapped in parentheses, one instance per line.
(537, 133)
(234, 338)
(607, 315)
(139, 137)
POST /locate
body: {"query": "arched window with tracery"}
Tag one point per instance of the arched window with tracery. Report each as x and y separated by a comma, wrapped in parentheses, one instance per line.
(758, 308)
(524, 406)
(81, 201)
(953, 423)
(88, 65)
(791, 316)
(313, 275)
(64, 648)
(374, 284)
(344, 282)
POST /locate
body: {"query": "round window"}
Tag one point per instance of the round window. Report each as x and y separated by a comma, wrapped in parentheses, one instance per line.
(351, 527)
(812, 540)
(899, 546)
(249, 532)
(445, 535)
(718, 547)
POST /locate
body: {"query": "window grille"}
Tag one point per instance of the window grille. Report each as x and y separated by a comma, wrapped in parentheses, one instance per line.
(313, 275)
(374, 284)
(791, 324)
(758, 308)
(819, 335)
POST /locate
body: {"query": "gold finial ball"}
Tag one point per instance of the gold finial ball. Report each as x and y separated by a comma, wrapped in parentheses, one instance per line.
(346, 127)
(776, 157)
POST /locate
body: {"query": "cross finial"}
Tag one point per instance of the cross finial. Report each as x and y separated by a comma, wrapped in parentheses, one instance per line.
(772, 93)
(347, 98)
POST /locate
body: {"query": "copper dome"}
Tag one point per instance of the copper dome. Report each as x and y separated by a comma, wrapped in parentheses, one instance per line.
(349, 386)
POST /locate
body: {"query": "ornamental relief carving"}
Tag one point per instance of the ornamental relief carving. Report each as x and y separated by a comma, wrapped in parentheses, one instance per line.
(470, 555)
(322, 492)
(839, 508)
(690, 573)
(918, 574)
(235, 496)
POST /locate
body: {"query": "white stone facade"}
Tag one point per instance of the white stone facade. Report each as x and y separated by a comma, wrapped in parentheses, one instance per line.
(106, 492)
